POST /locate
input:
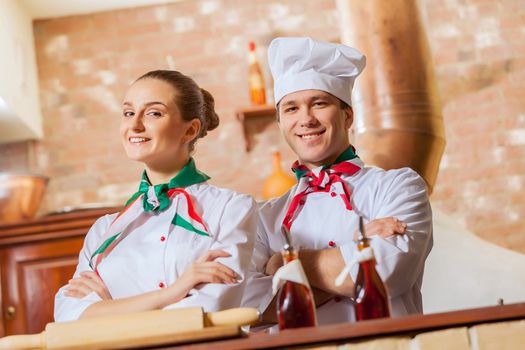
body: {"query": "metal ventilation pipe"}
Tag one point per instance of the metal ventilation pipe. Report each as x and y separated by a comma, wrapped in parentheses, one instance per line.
(397, 113)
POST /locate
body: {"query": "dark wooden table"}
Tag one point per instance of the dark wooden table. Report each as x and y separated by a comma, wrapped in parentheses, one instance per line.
(346, 332)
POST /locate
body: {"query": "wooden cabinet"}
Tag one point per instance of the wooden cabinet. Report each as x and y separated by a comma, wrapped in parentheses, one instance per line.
(36, 259)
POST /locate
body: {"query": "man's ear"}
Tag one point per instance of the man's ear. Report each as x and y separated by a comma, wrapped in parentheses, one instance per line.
(349, 119)
(192, 131)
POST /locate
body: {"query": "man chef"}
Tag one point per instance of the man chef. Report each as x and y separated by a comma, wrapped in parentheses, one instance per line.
(313, 82)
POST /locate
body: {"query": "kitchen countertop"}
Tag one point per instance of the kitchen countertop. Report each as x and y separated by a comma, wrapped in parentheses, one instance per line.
(348, 332)
(51, 226)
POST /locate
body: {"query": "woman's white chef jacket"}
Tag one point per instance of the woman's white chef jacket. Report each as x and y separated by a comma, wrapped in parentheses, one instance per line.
(153, 256)
(324, 222)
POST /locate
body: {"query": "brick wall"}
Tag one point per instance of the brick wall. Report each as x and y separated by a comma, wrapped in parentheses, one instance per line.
(86, 62)
(14, 157)
(479, 55)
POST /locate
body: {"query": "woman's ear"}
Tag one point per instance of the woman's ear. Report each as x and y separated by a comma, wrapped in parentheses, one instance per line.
(192, 131)
(349, 117)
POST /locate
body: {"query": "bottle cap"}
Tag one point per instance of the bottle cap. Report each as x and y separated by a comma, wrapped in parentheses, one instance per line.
(252, 46)
(362, 237)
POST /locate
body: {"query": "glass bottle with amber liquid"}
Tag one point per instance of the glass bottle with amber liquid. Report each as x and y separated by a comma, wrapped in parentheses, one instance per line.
(295, 302)
(371, 296)
(255, 78)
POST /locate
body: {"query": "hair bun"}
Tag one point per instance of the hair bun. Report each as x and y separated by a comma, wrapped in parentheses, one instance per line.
(211, 118)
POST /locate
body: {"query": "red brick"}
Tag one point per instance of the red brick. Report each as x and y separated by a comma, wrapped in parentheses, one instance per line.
(64, 25)
(516, 240)
(143, 29)
(14, 156)
(512, 20)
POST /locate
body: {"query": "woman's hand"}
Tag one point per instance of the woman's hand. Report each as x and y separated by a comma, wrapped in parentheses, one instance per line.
(207, 270)
(384, 227)
(86, 283)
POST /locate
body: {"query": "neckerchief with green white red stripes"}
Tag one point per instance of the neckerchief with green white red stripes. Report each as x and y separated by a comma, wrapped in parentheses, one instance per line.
(155, 199)
(323, 179)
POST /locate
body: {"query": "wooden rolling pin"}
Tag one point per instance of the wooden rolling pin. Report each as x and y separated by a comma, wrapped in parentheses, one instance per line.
(136, 329)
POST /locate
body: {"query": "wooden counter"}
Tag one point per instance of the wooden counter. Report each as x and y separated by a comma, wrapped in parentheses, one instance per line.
(349, 332)
(37, 257)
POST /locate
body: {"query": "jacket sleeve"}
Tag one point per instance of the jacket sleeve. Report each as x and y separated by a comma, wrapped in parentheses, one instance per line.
(70, 308)
(258, 292)
(237, 235)
(401, 258)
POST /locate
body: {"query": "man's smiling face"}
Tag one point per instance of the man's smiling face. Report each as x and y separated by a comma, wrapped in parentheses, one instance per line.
(315, 126)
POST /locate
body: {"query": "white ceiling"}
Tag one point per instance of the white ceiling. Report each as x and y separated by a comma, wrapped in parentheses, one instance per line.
(59, 8)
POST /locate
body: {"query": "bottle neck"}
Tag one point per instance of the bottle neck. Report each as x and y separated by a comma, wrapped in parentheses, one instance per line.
(277, 162)
(367, 264)
(289, 255)
(363, 244)
(252, 57)
(365, 254)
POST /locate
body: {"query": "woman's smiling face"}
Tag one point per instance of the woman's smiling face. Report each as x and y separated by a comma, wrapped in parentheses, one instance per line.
(152, 129)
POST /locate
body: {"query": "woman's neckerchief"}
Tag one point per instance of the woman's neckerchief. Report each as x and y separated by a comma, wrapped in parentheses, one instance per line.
(323, 179)
(155, 199)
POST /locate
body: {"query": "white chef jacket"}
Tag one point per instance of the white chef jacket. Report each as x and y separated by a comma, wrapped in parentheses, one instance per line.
(153, 256)
(324, 221)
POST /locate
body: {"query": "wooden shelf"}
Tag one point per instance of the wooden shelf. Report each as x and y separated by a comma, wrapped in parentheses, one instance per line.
(252, 112)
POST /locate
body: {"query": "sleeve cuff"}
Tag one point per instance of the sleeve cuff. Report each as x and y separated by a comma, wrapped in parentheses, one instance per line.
(348, 252)
(72, 308)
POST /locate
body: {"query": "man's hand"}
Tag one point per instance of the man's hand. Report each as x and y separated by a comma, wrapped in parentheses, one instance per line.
(384, 227)
(87, 282)
(273, 264)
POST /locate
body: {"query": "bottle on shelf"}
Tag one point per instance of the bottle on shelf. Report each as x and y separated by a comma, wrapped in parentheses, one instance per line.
(278, 182)
(295, 302)
(255, 78)
(370, 293)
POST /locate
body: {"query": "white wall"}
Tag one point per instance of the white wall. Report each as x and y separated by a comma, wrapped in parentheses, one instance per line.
(20, 117)
(464, 271)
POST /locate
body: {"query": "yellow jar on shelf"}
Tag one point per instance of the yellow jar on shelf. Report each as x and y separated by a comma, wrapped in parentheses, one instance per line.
(278, 182)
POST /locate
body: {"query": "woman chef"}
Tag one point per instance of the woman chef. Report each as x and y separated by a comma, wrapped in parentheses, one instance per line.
(179, 241)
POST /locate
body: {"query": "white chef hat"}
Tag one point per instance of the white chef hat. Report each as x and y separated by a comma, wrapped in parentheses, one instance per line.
(303, 64)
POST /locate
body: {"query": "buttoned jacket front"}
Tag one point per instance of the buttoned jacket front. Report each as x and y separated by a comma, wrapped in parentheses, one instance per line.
(323, 222)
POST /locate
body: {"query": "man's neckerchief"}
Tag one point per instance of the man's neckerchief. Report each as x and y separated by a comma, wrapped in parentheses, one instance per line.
(323, 179)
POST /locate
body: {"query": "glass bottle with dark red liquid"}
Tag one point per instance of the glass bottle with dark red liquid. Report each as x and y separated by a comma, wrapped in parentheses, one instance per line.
(295, 302)
(371, 297)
